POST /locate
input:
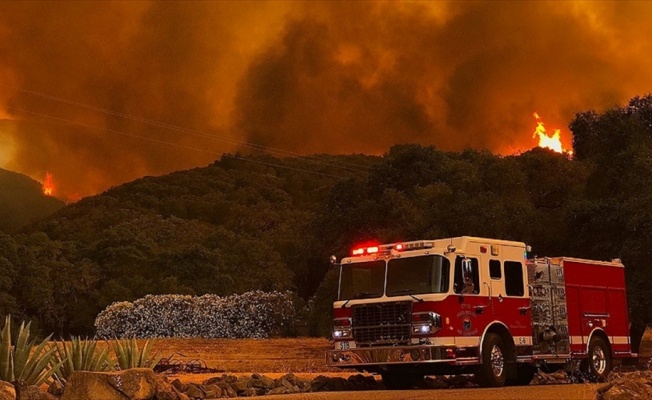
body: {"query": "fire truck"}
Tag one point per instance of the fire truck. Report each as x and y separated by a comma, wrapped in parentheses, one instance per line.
(469, 305)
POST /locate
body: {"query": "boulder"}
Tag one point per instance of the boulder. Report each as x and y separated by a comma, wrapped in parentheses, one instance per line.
(27, 392)
(325, 384)
(361, 382)
(164, 390)
(7, 391)
(212, 391)
(132, 384)
(195, 392)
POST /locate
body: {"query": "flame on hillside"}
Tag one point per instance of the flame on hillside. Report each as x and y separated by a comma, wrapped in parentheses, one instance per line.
(549, 142)
(48, 186)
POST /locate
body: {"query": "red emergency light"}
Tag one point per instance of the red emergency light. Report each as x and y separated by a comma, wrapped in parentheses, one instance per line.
(361, 251)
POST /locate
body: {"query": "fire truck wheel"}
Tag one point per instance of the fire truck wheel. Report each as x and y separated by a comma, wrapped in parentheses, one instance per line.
(400, 380)
(491, 373)
(599, 359)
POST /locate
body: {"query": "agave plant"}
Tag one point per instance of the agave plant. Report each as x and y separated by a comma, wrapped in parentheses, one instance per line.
(81, 355)
(129, 355)
(23, 361)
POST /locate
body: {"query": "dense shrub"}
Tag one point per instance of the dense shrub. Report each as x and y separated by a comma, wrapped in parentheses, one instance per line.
(254, 314)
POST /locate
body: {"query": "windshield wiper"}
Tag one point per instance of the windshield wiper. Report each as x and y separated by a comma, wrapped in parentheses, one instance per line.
(359, 295)
(409, 293)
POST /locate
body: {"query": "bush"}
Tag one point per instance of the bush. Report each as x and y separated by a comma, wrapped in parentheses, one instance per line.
(254, 314)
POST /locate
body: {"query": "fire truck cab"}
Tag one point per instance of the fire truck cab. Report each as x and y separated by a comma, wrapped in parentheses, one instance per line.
(476, 305)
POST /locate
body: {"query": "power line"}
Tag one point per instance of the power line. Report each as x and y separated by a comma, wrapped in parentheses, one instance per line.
(271, 150)
(173, 144)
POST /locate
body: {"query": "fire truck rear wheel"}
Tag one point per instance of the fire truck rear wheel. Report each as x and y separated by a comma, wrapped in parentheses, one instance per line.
(492, 373)
(599, 359)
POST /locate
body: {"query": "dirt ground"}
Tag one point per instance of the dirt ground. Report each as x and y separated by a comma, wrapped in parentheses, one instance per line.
(304, 357)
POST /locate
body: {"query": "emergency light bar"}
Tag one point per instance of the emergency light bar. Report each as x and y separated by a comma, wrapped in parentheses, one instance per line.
(365, 251)
(386, 248)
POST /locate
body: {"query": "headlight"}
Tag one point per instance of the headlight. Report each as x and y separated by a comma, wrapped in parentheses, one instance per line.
(342, 328)
(425, 323)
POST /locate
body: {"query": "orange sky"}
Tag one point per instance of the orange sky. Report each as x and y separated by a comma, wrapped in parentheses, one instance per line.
(103, 93)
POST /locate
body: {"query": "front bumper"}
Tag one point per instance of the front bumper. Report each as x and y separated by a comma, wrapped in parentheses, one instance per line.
(390, 355)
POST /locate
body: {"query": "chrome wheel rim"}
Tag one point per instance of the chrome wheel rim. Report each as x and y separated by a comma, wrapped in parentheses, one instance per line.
(497, 361)
(598, 360)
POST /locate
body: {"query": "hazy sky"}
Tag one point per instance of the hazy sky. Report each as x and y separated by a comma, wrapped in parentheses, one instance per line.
(100, 93)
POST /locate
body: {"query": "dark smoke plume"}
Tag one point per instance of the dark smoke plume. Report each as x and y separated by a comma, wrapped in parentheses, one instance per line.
(335, 77)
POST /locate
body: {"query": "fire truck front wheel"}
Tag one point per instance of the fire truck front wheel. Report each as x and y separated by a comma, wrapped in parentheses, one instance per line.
(491, 373)
(599, 360)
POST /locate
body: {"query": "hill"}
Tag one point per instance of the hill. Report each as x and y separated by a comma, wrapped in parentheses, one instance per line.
(22, 201)
(239, 224)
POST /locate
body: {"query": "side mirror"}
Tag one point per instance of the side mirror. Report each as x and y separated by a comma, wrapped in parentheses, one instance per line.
(467, 276)
(333, 260)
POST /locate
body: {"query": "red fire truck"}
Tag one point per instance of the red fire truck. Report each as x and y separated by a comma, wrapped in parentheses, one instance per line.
(476, 305)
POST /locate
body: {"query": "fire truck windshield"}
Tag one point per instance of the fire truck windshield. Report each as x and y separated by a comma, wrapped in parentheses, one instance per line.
(405, 276)
(417, 275)
(362, 280)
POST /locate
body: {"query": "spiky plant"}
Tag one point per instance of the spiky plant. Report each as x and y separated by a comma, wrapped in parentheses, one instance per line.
(81, 355)
(129, 355)
(23, 361)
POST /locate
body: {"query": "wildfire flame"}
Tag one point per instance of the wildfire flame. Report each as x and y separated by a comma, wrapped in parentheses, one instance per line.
(549, 142)
(48, 186)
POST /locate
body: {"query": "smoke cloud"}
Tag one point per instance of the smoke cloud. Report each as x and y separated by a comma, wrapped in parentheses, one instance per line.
(102, 93)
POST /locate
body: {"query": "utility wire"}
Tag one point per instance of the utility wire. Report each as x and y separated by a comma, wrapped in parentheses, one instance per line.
(172, 143)
(271, 150)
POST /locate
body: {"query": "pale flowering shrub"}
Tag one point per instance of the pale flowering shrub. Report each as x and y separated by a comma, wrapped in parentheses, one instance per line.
(119, 320)
(254, 314)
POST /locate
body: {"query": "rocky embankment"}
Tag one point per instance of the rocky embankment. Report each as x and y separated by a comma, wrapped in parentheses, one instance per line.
(627, 386)
(144, 384)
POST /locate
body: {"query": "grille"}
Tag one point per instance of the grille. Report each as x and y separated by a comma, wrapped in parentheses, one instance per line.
(382, 323)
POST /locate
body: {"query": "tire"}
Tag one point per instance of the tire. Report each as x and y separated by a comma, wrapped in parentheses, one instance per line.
(599, 359)
(400, 380)
(493, 370)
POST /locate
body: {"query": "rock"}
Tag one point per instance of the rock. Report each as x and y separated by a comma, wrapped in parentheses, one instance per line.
(55, 388)
(434, 383)
(290, 378)
(229, 391)
(164, 390)
(261, 383)
(180, 395)
(7, 391)
(132, 384)
(166, 396)
(282, 382)
(319, 384)
(249, 392)
(240, 385)
(180, 386)
(212, 391)
(323, 383)
(279, 390)
(195, 392)
(27, 392)
(361, 382)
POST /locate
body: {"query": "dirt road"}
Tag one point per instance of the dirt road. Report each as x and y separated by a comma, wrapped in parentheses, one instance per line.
(547, 392)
